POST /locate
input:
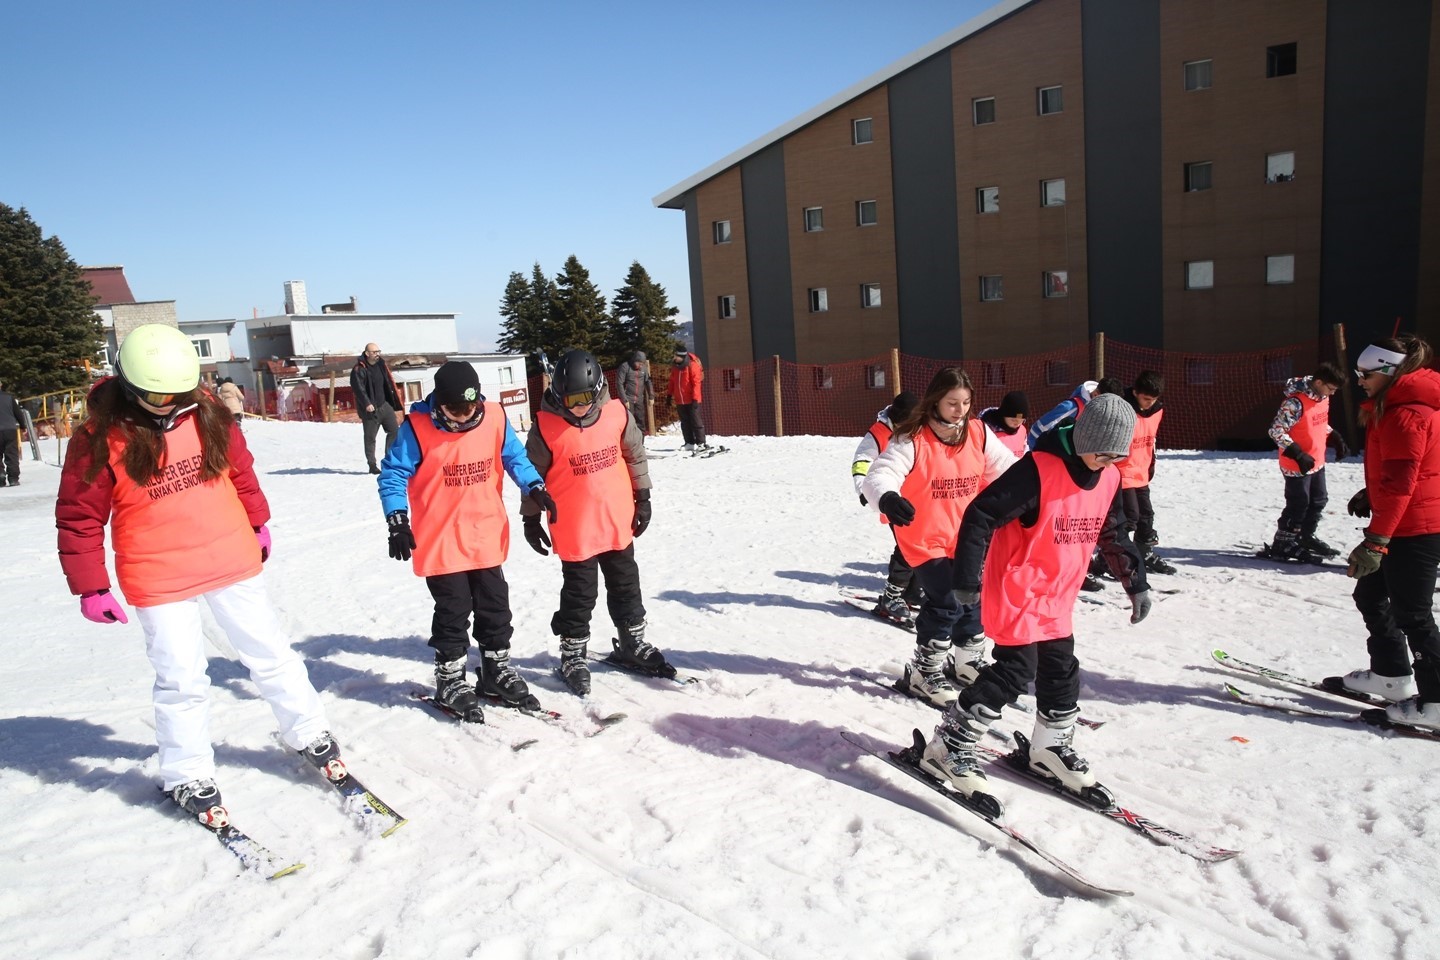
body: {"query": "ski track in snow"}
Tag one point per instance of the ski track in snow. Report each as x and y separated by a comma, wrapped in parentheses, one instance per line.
(726, 819)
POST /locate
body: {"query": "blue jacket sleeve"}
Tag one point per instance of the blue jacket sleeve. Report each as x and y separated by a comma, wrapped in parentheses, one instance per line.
(1049, 420)
(517, 463)
(397, 468)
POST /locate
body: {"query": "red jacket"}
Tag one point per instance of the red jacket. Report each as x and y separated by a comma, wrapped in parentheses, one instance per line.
(1402, 458)
(685, 381)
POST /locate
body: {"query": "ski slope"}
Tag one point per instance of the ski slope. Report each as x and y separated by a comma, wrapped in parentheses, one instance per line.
(729, 818)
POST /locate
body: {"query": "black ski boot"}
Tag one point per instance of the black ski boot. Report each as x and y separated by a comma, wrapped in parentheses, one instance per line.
(499, 681)
(1312, 543)
(455, 694)
(1154, 563)
(574, 669)
(323, 753)
(892, 606)
(632, 651)
(201, 798)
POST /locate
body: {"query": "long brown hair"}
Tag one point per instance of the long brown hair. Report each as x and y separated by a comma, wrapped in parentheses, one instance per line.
(945, 380)
(112, 412)
(1417, 354)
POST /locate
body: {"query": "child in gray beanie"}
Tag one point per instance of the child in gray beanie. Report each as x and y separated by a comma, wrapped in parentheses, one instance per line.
(1106, 426)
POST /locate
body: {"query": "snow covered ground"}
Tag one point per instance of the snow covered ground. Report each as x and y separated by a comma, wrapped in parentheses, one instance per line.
(728, 819)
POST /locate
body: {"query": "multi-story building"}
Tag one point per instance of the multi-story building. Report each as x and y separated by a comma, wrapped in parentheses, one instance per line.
(1186, 175)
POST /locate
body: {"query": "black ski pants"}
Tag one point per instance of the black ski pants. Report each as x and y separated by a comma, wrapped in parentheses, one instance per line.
(1305, 499)
(901, 576)
(941, 617)
(580, 588)
(10, 456)
(690, 426)
(384, 419)
(1396, 603)
(481, 593)
(1051, 664)
(1139, 515)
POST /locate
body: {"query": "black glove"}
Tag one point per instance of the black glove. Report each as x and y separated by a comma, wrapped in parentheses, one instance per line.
(966, 596)
(897, 509)
(1342, 449)
(642, 512)
(1305, 461)
(536, 536)
(1359, 505)
(1139, 606)
(863, 501)
(402, 540)
(544, 501)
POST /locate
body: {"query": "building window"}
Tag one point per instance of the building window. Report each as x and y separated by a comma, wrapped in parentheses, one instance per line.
(1281, 60)
(1057, 373)
(814, 219)
(865, 213)
(1197, 75)
(1050, 100)
(1057, 283)
(993, 374)
(874, 377)
(1200, 373)
(202, 347)
(1278, 369)
(1280, 167)
(862, 131)
(823, 378)
(991, 288)
(722, 231)
(987, 200)
(819, 301)
(1052, 193)
(983, 110)
(869, 294)
(507, 375)
(1280, 269)
(731, 379)
(1198, 176)
(727, 307)
(1199, 274)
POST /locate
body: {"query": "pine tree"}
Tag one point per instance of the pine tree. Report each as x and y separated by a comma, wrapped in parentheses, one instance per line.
(578, 319)
(525, 308)
(642, 320)
(48, 325)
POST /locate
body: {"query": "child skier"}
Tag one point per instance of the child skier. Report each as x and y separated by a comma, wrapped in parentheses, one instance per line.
(1138, 469)
(443, 468)
(1039, 524)
(901, 590)
(591, 453)
(938, 460)
(1301, 431)
(164, 463)
(1007, 421)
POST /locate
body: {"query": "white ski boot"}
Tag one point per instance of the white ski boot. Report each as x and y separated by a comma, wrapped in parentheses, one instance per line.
(964, 663)
(953, 756)
(924, 676)
(1051, 754)
(201, 798)
(1369, 682)
(1414, 713)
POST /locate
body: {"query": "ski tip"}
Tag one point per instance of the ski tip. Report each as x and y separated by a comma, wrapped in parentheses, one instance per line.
(1219, 655)
(286, 871)
(397, 826)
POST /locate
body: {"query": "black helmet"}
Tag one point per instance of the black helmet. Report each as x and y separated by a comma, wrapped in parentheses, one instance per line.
(577, 379)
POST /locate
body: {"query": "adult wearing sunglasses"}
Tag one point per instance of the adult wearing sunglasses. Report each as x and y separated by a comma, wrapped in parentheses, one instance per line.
(1395, 566)
(376, 400)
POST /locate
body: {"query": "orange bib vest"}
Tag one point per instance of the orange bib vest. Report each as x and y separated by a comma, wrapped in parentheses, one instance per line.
(455, 508)
(1015, 442)
(1309, 432)
(178, 537)
(941, 485)
(590, 483)
(1135, 468)
(1032, 574)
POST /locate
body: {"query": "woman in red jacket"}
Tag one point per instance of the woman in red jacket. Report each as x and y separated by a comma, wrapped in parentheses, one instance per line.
(165, 464)
(1395, 567)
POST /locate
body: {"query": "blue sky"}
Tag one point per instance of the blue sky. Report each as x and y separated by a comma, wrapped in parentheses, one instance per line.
(409, 155)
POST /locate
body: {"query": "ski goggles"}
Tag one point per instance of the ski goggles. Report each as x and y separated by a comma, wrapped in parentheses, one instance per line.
(153, 399)
(582, 399)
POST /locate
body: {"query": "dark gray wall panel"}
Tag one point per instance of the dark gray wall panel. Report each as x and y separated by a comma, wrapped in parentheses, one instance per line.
(1121, 44)
(767, 253)
(927, 241)
(697, 279)
(1376, 63)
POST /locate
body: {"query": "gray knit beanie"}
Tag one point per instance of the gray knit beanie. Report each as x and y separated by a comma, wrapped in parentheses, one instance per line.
(1106, 425)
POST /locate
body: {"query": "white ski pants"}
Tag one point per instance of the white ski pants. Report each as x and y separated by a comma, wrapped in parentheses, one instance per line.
(175, 643)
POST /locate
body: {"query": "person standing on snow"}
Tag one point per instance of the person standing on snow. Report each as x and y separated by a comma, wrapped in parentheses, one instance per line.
(1395, 566)
(636, 388)
(686, 388)
(938, 460)
(1068, 409)
(376, 400)
(164, 463)
(445, 469)
(902, 592)
(1138, 469)
(1007, 421)
(1301, 431)
(11, 419)
(232, 398)
(1039, 524)
(591, 453)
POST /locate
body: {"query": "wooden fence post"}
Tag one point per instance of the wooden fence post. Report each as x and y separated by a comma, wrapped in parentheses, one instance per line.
(895, 368)
(1347, 389)
(1100, 356)
(779, 416)
(330, 403)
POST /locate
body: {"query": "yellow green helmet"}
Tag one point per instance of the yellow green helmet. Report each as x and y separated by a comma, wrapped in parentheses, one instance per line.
(158, 361)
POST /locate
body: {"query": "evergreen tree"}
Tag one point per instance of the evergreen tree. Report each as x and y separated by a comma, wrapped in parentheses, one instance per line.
(526, 307)
(643, 320)
(577, 318)
(48, 325)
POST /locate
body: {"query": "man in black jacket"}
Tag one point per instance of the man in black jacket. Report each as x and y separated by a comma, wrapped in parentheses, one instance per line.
(375, 400)
(11, 420)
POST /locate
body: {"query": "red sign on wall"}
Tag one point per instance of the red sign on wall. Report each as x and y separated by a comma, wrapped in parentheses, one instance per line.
(511, 398)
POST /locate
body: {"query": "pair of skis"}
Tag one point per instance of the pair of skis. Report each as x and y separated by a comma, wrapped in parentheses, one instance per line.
(1373, 717)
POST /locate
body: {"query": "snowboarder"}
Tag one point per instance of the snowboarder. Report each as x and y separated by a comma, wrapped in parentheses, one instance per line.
(901, 592)
(938, 460)
(1395, 566)
(591, 453)
(444, 468)
(1138, 469)
(165, 464)
(1301, 430)
(1039, 524)
(1007, 421)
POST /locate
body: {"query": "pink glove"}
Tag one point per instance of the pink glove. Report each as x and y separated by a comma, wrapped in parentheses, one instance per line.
(101, 607)
(262, 533)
